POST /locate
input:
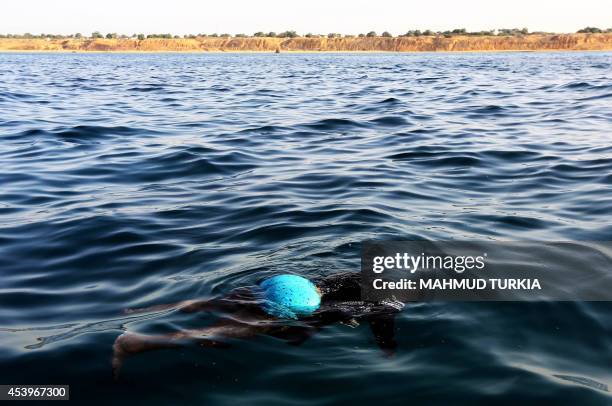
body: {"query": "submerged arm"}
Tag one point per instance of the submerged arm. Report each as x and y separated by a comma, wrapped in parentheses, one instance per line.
(235, 299)
(187, 306)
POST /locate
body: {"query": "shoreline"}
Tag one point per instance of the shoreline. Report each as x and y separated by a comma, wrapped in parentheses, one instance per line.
(297, 52)
(436, 44)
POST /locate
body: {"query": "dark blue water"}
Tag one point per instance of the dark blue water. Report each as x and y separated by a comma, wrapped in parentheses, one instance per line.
(134, 180)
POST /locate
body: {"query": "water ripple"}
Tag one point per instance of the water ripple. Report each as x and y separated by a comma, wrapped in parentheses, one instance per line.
(125, 187)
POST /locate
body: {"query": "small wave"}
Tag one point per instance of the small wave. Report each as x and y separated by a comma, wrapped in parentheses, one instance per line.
(92, 133)
(490, 110)
(511, 155)
(577, 85)
(16, 96)
(581, 380)
(432, 159)
(333, 124)
(180, 164)
(389, 121)
(146, 89)
(390, 101)
(514, 222)
(265, 129)
(220, 88)
(597, 97)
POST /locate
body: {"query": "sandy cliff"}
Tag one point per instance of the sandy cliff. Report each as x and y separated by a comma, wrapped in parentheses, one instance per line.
(575, 42)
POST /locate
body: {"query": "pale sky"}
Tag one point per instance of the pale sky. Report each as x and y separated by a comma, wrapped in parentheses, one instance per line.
(316, 16)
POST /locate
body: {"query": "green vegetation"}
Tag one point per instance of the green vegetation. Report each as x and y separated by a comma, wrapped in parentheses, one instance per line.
(288, 34)
(512, 31)
(593, 30)
(164, 36)
(463, 31)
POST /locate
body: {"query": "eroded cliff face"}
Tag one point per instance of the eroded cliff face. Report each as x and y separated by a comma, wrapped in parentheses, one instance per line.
(574, 42)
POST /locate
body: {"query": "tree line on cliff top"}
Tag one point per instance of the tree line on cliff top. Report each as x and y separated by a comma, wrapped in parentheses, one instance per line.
(293, 34)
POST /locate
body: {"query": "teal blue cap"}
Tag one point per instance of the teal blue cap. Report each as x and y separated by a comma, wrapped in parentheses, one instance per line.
(289, 296)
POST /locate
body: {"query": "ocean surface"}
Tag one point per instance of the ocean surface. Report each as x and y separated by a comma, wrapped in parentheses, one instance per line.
(133, 180)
